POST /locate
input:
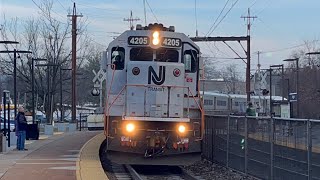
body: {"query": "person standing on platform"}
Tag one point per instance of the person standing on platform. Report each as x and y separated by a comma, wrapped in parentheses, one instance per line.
(21, 128)
(250, 110)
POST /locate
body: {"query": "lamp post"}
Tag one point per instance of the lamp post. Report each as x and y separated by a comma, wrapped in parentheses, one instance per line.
(15, 74)
(270, 91)
(297, 78)
(32, 85)
(282, 77)
(288, 91)
(48, 65)
(61, 109)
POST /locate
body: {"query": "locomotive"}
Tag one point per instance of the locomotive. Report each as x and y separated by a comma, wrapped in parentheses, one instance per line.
(153, 112)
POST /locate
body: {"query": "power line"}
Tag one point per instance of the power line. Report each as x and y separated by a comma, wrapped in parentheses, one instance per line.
(225, 5)
(39, 7)
(151, 11)
(253, 3)
(195, 15)
(92, 6)
(267, 5)
(62, 5)
(223, 17)
(288, 48)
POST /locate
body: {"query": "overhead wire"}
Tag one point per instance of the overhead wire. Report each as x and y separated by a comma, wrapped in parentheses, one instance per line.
(62, 5)
(288, 48)
(152, 11)
(225, 5)
(223, 17)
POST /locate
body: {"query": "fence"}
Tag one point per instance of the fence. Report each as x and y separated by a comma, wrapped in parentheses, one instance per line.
(268, 148)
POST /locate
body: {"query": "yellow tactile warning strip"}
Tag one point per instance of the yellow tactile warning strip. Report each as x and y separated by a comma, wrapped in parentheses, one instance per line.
(88, 165)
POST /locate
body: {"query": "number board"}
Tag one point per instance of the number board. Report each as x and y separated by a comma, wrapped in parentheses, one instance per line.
(138, 40)
(171, 42)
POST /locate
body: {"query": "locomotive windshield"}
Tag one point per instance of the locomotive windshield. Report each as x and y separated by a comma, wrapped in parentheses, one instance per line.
(167, 55)
(141, 54)
(161, 54)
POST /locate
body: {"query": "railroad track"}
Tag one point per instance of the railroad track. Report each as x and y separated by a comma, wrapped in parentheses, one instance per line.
(145, 172)
(116, 171)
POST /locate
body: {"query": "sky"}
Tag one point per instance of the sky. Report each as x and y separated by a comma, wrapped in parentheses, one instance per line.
(280, 24)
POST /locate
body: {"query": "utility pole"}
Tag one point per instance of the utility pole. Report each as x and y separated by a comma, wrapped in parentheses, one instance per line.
(74, 17)
(61, 106)
(248, 17)
(32, 87)
(145, 13)
(259, 78)
(131, 20)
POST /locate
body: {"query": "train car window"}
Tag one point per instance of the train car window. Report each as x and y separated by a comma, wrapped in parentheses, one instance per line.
(141, 54)
(208, 102)
(236, 103)
(221, 103)
(118, 57)
(167, 55)
(190, 61)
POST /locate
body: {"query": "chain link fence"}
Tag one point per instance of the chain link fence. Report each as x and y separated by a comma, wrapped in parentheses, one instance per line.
(268, 148)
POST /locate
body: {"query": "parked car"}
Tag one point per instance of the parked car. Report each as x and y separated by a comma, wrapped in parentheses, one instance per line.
(12, 125)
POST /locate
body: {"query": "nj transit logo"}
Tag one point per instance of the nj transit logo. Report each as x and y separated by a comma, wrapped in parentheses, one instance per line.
(156, 79)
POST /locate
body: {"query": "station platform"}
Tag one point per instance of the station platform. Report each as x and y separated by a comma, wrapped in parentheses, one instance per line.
(63, 156)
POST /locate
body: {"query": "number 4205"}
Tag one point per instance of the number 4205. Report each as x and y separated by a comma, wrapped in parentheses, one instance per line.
(171, 42)
(139, 40)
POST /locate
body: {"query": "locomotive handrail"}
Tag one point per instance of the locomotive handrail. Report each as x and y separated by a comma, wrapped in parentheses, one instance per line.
(106, 121)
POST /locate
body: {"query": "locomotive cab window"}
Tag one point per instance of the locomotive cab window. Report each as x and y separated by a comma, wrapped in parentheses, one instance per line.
(141, 54)
(118, 57)
(167, 55)
(190, 61)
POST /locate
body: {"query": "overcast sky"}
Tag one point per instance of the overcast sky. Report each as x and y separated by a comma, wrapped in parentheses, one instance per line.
(281, 24)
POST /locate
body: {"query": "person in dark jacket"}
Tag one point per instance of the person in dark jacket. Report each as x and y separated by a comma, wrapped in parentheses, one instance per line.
(21, 123)
(250, 110)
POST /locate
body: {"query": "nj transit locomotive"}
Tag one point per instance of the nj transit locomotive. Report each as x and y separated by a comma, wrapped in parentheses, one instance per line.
(153, 106)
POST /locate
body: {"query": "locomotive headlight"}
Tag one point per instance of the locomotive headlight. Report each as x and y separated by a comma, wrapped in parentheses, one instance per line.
(155, 40)
(182, 129)
(130, 127)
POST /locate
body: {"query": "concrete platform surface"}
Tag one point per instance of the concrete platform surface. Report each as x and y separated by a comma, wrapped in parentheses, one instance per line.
(52, 158)
(89, 166)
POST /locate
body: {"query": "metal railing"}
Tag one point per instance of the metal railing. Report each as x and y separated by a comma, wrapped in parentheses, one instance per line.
(268, 148)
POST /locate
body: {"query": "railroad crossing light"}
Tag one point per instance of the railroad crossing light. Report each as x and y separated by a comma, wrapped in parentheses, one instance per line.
(95, 92)
(265, 92)
(242, 143)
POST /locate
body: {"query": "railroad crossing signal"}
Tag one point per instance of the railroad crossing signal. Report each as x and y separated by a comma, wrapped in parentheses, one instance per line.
(95, 92)
(242, 143)
(293, 97)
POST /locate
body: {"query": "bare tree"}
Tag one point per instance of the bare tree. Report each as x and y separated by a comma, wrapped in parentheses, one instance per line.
(210, 71)
(309, 86)
(231, 76)
(47, 38)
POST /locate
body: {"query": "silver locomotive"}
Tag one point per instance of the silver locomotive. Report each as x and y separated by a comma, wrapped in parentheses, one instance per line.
(153, 107)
